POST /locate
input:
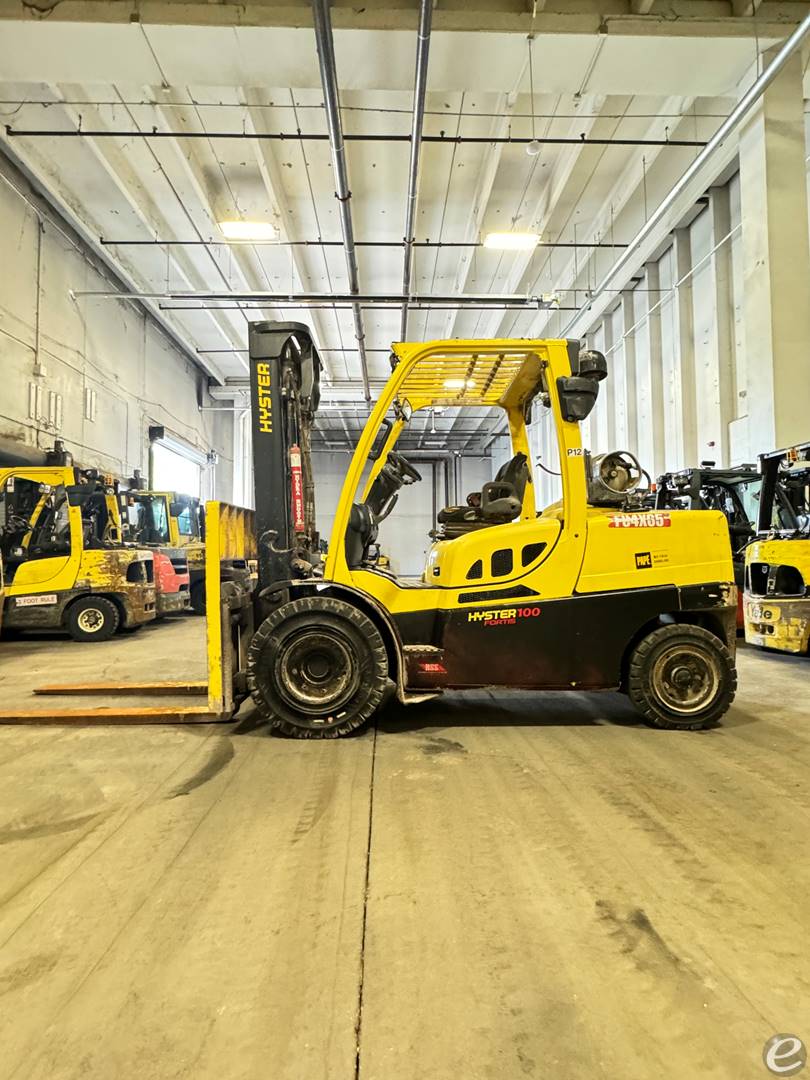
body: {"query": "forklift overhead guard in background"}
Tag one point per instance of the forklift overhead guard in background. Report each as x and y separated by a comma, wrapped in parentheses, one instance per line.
(509, 597)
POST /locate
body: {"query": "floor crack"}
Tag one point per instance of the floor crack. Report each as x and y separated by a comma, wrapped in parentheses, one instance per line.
(358, 1024)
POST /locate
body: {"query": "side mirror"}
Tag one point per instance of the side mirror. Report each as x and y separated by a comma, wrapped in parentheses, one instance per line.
(577, 396)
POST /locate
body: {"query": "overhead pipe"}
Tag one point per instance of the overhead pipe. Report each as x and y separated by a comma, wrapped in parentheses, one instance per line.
(355, 298)
(339, 243)
(326, 61)
(729, 125)
(300, 136)
(419, 91)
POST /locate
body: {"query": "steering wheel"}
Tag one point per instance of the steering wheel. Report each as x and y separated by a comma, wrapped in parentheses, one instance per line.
(16, 523)
(407, 473)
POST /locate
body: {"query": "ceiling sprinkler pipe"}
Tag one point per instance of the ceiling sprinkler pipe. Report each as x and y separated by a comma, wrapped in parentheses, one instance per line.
(419, 91)
(326, 61)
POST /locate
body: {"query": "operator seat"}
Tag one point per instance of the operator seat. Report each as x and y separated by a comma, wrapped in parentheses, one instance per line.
(500, 501)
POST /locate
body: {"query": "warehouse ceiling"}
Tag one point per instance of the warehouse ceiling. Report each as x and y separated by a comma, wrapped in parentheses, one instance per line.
(154, 204)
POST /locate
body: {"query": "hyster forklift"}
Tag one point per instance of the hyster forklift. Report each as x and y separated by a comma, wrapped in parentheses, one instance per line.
(65, 565)
(596, 593)
(734, 492)
(777, 563)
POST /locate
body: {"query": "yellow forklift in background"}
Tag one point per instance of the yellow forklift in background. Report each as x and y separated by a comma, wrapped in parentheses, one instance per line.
(64, 563)
(597, 593)
(777, 562)
(174, 520)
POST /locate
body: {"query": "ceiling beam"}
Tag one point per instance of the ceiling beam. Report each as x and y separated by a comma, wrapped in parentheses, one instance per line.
(695, 18)
(271, 178)
(146, 209)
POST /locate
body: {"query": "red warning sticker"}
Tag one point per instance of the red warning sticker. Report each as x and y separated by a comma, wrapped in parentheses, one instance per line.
(655, 519)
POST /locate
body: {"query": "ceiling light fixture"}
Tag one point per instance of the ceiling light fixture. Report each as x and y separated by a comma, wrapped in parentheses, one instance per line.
(248, 230)
(533, 148)
(459, 384)
(512, 241)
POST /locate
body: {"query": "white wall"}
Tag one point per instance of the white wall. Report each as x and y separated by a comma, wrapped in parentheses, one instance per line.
(109, 347)
(693, 324)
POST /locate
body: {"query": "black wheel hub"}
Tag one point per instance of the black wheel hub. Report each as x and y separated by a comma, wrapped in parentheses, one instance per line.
(316, 672)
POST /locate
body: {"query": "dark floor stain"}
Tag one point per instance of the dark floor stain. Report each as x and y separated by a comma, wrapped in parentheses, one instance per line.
(219, 759)
(45, 828)
(437, 745)
(27, 972)
(638, 936)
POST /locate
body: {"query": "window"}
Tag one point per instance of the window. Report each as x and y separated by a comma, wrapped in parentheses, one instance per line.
(501, 562)
(172, 472)
(530, 553)
(476, 571)
(159, 531)
(185, 522)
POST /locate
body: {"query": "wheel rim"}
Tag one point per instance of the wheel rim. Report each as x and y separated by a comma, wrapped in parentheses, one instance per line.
(685, 679)
(316, 673)
(90, 620)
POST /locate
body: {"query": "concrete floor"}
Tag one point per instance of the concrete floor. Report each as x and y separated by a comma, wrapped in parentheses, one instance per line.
(479, 888)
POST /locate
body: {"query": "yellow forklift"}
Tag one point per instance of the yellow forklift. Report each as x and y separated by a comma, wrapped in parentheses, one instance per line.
(596, 593)
(64, 563)
(777, 562)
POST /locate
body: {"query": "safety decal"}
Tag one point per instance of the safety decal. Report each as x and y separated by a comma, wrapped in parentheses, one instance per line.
(652, 520)
(503, 616)
(36, 601)
(643, 560)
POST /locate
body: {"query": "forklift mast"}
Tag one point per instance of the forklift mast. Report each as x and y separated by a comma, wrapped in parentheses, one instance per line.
(783, 500)
(284, 392)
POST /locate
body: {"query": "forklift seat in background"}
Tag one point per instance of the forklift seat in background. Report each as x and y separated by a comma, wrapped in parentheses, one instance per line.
(500, 501)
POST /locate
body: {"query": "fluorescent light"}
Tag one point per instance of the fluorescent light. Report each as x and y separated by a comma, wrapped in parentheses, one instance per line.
(248, 230)
(459, 384)
(512, 241)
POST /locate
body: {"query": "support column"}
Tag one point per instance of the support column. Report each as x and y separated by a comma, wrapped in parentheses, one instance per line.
(610, 382)
(776, 264)
(716, 413)
(655, 352)
(630, 381)
(685, 348)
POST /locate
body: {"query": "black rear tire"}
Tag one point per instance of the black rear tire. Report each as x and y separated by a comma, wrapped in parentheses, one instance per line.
(317, 668)
(198, 598)
(92, 618)
(681, 677)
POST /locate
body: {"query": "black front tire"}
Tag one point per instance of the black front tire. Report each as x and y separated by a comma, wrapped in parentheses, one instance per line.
(317, 668)
(93, 618)
(681, 677)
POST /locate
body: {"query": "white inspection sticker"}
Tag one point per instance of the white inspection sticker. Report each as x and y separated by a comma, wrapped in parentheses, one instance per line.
(36, 601)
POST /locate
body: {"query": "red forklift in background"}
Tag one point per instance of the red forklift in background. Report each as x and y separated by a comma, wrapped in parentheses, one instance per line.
(145, 521)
